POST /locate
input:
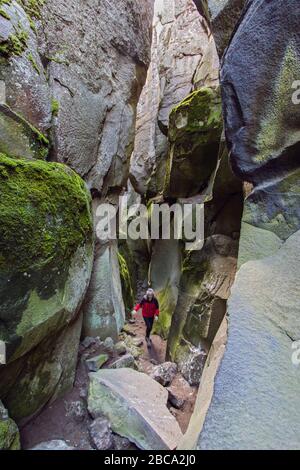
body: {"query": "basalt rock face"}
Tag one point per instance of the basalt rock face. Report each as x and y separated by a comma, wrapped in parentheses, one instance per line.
(224, 15)
(261, 128)
(207, 275)
(98, 54)
(178, 65)
(69, 85)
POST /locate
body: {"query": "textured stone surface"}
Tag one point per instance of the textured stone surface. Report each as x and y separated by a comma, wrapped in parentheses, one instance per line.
(165, 272)
(195, 130)
(257, 383)
(98, 57)
(165, 373)
(224, 15)
(261, 120)
(177, 60)
(44, 278)
(101, 434)
(104, 312)
(136, 407)
(257, 372)
(19, 138)
(26, 88)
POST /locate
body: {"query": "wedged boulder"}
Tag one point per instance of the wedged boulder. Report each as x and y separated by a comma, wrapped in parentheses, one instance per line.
(257, 369)
(195, 130)
(9, 433)
(135, 405)
(165, 373)
(126, 361)
(44, 276)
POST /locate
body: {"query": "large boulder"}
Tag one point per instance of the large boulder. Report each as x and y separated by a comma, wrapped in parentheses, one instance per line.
(46, 259)
(195, 130)
(136, 407)
(9, 433)
(257, 371)
(261, 119)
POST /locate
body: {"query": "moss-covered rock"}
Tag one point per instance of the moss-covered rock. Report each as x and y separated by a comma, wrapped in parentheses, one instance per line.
(128, 293)
(18, 138)
(165, 272)
(43, 374)
(45, 249)
(9, 433)
(194, 132)
(27, 90)
(203, 291)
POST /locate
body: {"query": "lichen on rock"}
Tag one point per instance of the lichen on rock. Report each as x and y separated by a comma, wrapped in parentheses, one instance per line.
(194, 132)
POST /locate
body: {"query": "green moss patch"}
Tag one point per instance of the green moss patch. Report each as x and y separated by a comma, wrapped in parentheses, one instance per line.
(127, 290)
(45, 213)
(54, 107)
(194, 133)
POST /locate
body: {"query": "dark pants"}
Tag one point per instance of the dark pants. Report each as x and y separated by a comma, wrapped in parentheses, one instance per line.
(149, 325)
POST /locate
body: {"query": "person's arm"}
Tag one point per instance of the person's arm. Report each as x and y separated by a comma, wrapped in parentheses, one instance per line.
(137, 308)
(157, 312)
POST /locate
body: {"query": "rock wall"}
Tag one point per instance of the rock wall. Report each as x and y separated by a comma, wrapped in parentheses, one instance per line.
(256, 401)
(97, 54)
(70, 83)
(176, 152)
(179, 63)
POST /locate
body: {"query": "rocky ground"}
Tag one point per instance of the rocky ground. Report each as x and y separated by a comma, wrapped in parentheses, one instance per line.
(67, 421)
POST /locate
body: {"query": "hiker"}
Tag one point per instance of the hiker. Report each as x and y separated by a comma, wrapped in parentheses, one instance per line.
(150, 311)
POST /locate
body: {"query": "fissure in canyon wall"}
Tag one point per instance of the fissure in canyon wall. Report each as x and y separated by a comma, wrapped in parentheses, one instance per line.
(102, 99)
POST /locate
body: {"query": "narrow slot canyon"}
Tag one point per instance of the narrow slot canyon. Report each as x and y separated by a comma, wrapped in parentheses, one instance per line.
(132, 117)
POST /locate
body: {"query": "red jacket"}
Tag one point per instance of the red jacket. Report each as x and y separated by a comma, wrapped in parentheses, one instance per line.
(149, 308)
